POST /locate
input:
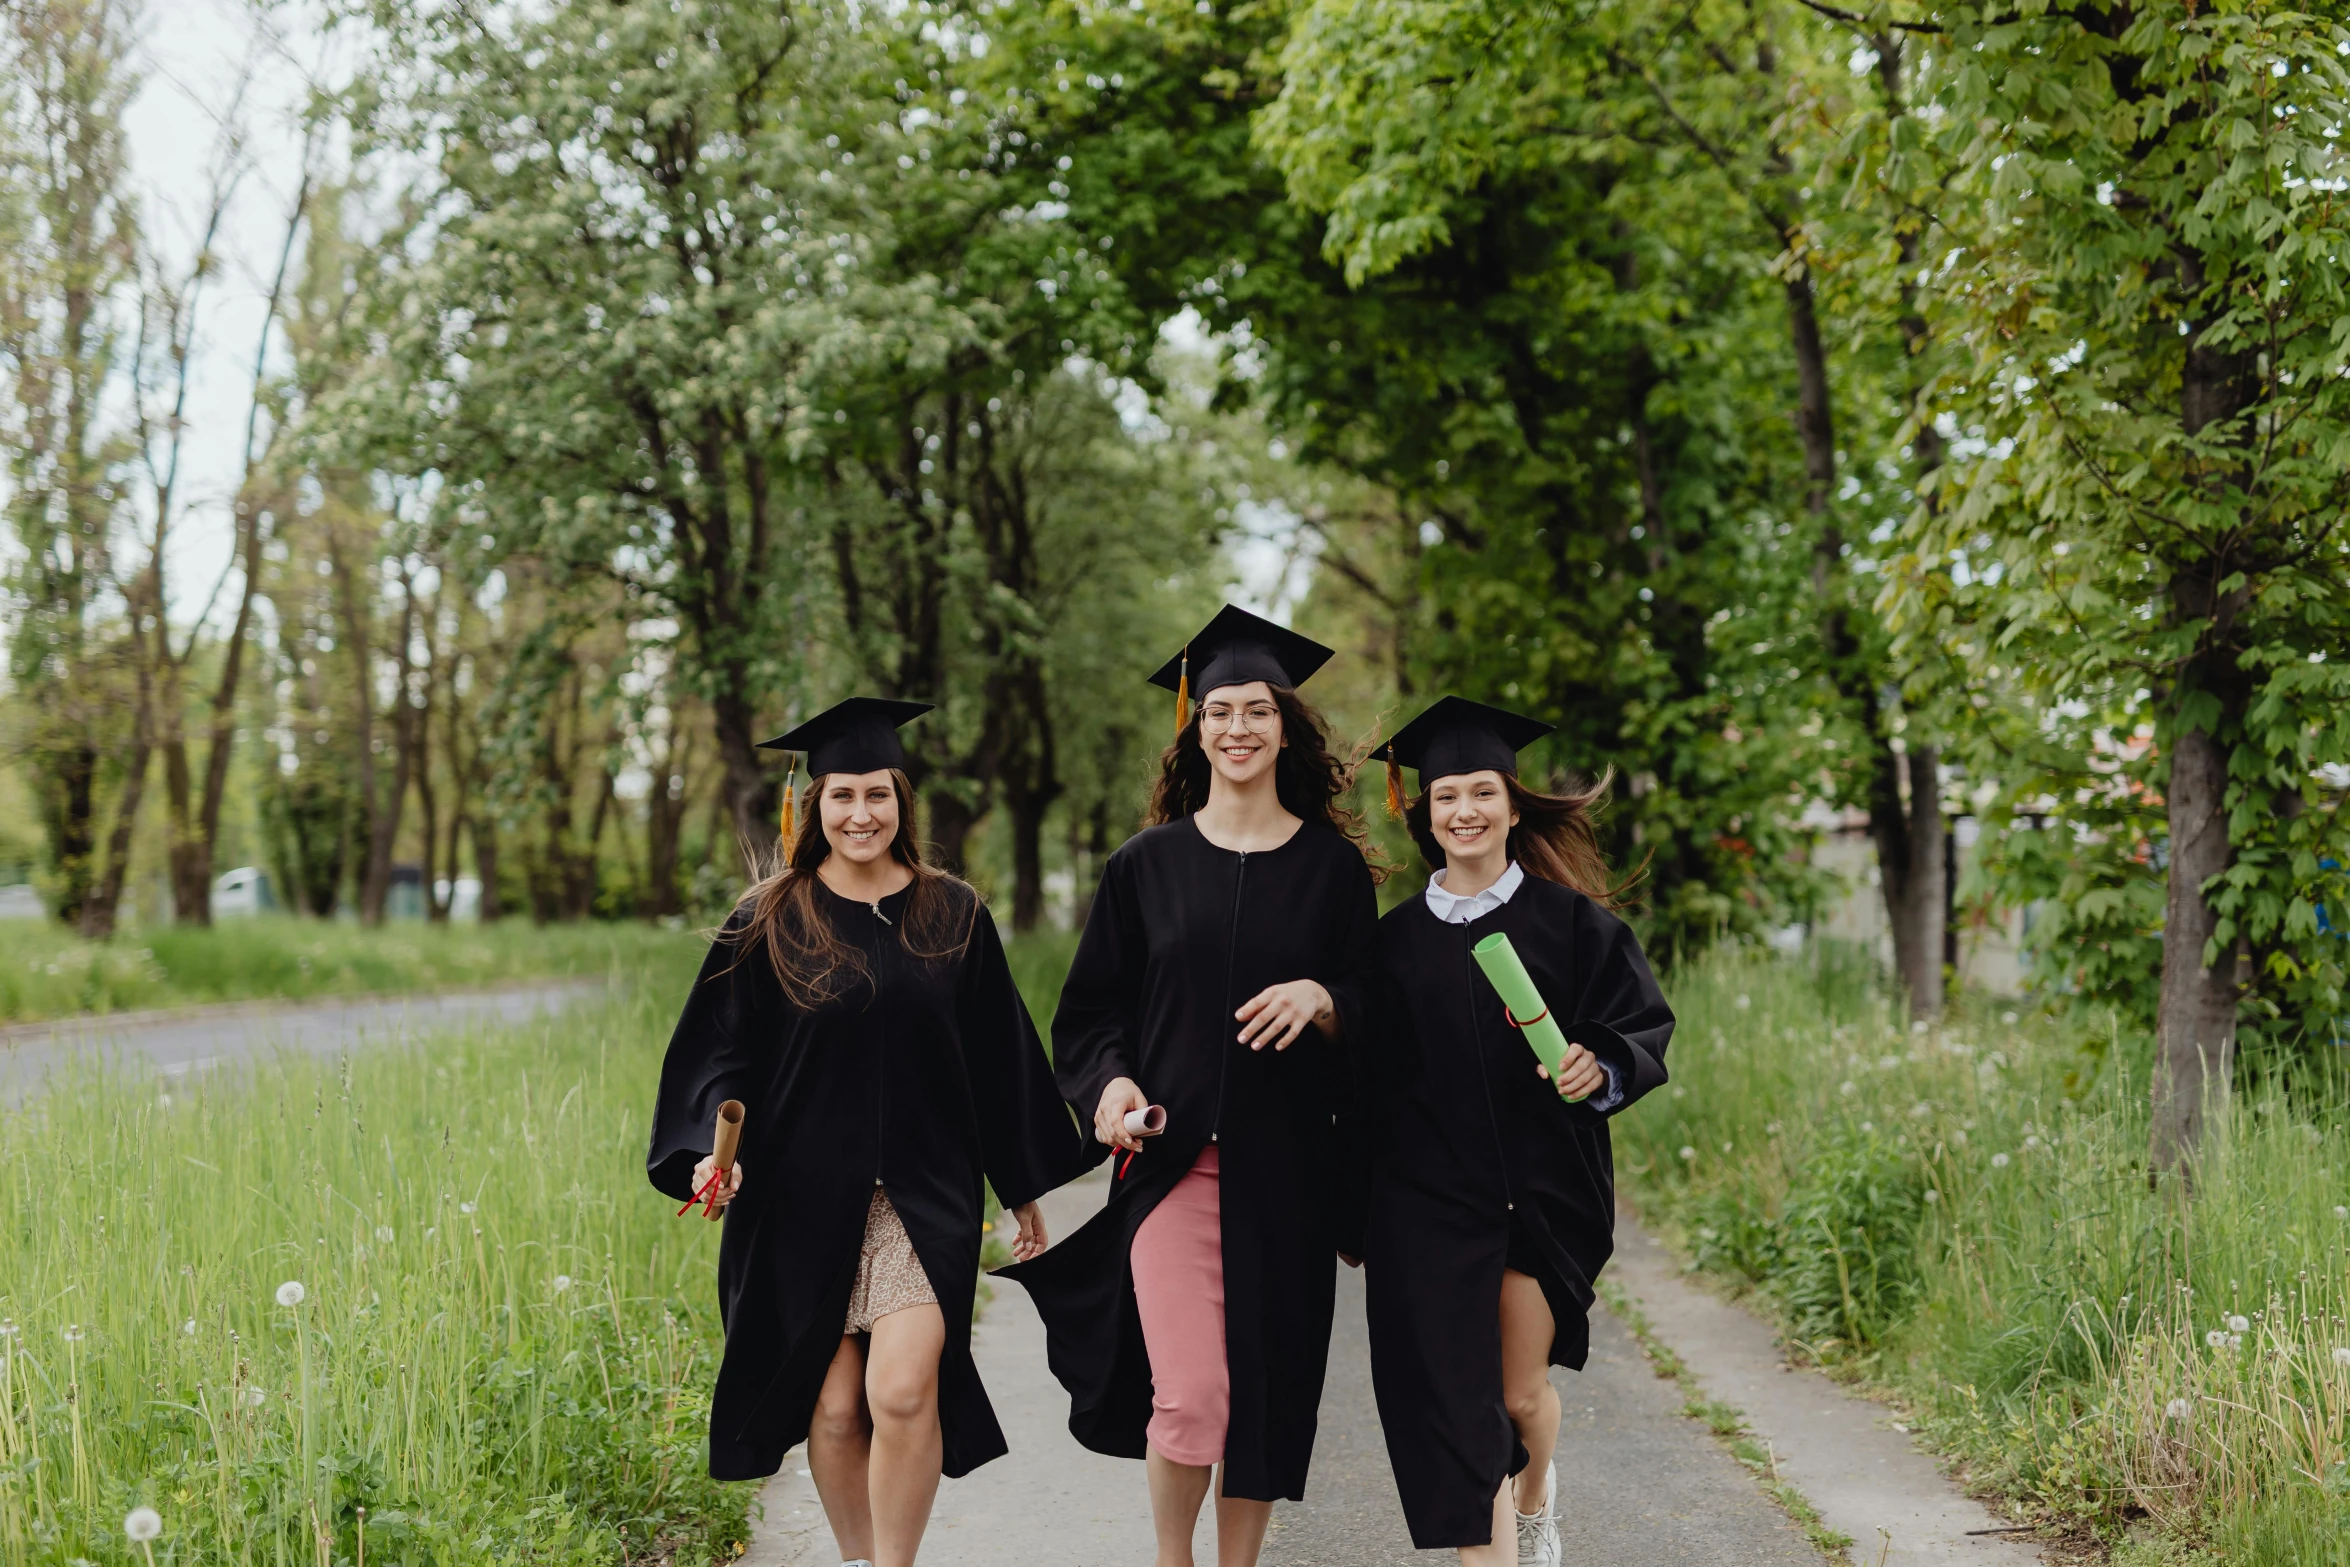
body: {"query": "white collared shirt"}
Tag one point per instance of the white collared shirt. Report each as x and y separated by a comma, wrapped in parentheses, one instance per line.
(1456, 910)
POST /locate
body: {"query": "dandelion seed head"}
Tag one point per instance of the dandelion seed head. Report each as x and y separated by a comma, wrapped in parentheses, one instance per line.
(1848, 1087)
(2032, 1142)
(2008, 1018)
(562, 1282)
(1744, 1001)
(2216, 1339)
(1933, 1195)
(2239, 1324)
(1920, 1110)
(73, 1333)
(465, 1207)
(1999, 1161)
(384, 1233)
(1772, 1130)
(189, 1327)
(291, 1293)
(2235, 1341)
(1687, 1152)
(2342, 1354)
(2341, 1212)
(2178, 1409)
(142, 1524)
(7, 1329)
(255, 1398)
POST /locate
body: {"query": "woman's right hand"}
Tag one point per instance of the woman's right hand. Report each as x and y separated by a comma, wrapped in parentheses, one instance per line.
(1109, 1117)
(709, 1167)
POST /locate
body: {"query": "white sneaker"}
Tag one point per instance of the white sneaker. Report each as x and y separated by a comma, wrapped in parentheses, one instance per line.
(1538, 1533)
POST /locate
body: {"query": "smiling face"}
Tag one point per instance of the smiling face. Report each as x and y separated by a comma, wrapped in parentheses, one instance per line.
(1240, 729)
(1469, 814)
(860, 812)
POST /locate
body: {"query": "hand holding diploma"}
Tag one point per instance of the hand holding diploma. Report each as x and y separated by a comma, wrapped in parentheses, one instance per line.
(1574, 1069)
(719, 1176)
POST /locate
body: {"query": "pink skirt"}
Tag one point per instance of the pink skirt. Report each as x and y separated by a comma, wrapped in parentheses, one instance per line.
(1178, 1267)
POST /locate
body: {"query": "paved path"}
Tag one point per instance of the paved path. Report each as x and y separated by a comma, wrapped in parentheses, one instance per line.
(178, 1043)
(1645, 1485)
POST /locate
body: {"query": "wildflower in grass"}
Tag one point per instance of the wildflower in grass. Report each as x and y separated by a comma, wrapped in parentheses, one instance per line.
(1933, 1196)
(255, 1398)
(2341, 1212)
(2178, 1409)
(142, 1524)
(1771, 1130)
(7, 1328)
(1744, 1001)
(1920, 1110)
(562, 1282)
(189, 1327)
(73, 1333)
(1999, 1161)
(465, 1207)
(2032, 1144)
(384, 1233)
(1847, 1087)
(291, 1293)
(2235, 1341)
(2239, 1324)
(2216, 1339)
(2342, 1355)
(1688, 1154)
(2007, 1017)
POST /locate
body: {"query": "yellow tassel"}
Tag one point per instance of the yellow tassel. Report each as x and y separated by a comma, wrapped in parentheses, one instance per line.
(1394, 787)
(790, 807)
(1183, 691)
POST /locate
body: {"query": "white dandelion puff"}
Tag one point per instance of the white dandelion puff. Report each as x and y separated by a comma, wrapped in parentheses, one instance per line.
(2007, 1018)
(1688, 1153)
(1744, 1001)
(255, 1398)
(291, 1293)
(1999, 1161)
(142, 1524)
(189, 1327)
(2216, 1339)
(2342, 1354)
(2239, 1324)
(7, 1328)
(73, 1333)
(2341, 1212)
(562, 1282)
(1772, 1130)
(2178, 1409)
(2032, 1143)
(2235, 1341)
(1933, 1196)
(384, 1233)
(1847, 1087)
(465, 1207)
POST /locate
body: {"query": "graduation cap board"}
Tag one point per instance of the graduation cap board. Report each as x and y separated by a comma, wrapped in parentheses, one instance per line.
(1454, 735)
(1233, 649)
(859, 735)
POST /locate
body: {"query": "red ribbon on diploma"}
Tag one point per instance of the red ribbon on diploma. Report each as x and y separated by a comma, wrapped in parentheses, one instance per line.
(725, 1143)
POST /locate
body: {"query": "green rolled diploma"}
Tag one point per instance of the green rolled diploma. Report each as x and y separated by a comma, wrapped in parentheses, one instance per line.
(1507, 974)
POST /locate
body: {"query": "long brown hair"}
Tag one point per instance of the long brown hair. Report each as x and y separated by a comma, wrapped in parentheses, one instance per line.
(1557, 837)
(1308, 777)
(811, 962)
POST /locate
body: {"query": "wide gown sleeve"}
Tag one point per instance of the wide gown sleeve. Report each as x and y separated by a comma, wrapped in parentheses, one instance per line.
(708, 1061)
(1027, 1141)
(1096, 1031)
(1363, 1007)
(1622, 1018)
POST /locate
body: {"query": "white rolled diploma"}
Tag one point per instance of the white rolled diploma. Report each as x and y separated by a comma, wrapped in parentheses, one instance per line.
(1147, 1122)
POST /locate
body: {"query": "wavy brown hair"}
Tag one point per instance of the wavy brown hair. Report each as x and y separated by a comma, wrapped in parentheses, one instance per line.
(811, 961)
(1557, 837)
(1309, 778)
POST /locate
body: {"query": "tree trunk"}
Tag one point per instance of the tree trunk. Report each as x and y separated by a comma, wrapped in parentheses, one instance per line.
(2196, 1028)
(951, 822)
(105, 899)
(1913, 872)
(750, 791)
(485, 866)
(371, 890)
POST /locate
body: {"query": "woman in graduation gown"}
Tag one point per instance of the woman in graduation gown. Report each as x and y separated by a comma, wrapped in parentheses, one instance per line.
(1492, 1200)
(1190, 1320)
(857, 1002)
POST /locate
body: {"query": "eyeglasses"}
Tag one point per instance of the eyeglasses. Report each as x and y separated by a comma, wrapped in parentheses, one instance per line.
(1257, 718)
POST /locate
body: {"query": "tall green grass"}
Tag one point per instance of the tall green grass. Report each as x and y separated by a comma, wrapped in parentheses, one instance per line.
(421, 1299)
(47, 972)
(1963, 1214)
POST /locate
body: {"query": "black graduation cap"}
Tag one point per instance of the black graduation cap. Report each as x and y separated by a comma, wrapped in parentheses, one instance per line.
(1233, 649)
(859, 735)
(1455, 735)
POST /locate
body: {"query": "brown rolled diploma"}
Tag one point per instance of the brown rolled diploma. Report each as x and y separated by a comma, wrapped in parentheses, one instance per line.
(728, 1142)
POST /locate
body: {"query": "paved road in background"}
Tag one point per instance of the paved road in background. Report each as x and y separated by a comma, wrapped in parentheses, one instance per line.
(177, 1044)
(1644, 1486)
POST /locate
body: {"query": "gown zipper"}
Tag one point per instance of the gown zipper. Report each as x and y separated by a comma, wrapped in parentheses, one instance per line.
(1231, 962)
(1484, 1078)
(880, 1059)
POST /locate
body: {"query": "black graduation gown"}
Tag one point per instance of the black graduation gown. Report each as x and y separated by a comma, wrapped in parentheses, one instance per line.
(1478, 1163)
(924, 1077)
(1180, 934)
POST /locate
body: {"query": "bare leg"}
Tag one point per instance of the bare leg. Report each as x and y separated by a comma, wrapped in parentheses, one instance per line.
(1240, 1527)
(839, 1451)
(1526, 1331)
(1176, 1493)
(901, 1392)
(1502, 1549)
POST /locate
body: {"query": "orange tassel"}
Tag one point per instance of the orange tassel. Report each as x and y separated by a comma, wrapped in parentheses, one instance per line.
(1183, 691)
(1394, 787)
(791, 811)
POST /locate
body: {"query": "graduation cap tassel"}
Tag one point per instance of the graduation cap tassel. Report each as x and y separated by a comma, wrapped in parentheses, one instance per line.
(1394, 786)
(1183, 691)
(791, 807)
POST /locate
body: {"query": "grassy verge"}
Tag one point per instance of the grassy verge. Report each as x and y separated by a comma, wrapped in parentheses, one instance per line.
(1962, 1216)
(502, 1342)
(46, 972)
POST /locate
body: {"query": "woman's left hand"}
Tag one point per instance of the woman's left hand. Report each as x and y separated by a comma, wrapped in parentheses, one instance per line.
(1579, 1073)
(1277, 1014)
(1031, 1239)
